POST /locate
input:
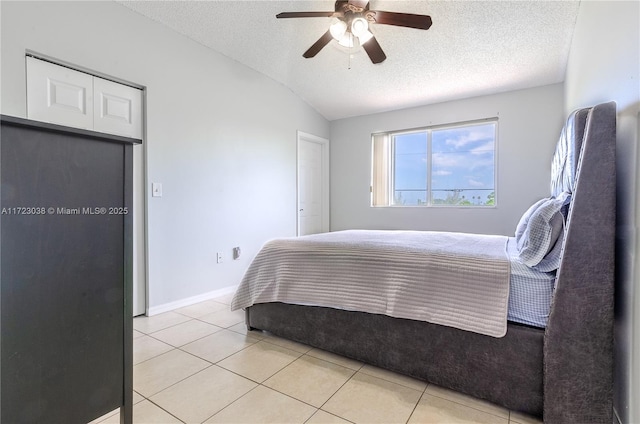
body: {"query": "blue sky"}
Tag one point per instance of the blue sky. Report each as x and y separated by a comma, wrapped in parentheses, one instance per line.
(462, 158)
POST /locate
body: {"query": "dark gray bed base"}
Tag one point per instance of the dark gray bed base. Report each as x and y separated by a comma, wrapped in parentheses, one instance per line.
(508, 368)
(563, 373)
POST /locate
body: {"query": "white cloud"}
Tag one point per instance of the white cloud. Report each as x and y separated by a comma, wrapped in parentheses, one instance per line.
(483, 148)
(444, 160)
(470, 137)
(442, 173)
(475, 183)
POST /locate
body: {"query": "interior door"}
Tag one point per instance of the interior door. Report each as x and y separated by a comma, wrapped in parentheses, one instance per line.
(65, 96)
(313, 184)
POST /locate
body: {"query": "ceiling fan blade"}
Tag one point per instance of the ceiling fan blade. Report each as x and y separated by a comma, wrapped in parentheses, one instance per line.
(318, 45)
(305, 14)
(374, 50)
(408, 20)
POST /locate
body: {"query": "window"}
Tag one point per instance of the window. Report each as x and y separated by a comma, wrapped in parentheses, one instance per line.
(451, 165)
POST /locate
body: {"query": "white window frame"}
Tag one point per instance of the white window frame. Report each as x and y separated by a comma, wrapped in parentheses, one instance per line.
(382, 169)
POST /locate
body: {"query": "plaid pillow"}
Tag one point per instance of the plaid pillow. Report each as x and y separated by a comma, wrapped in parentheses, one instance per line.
(551, 262)
(522, 224)
(543, 228)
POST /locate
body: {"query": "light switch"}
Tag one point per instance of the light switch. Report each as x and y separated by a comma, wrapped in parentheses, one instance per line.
(156, 189)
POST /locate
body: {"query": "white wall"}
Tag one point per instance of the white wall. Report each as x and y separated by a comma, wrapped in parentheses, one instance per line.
(221, 138)
(604, 65)
(529, 126)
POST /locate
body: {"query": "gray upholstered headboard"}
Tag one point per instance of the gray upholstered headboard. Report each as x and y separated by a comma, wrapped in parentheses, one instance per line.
(578, 344)
(565, 159)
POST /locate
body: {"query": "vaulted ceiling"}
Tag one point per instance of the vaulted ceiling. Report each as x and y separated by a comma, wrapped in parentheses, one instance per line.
(473, 48)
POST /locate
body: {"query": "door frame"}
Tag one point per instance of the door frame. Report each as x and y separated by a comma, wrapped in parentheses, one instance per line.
(324, 144)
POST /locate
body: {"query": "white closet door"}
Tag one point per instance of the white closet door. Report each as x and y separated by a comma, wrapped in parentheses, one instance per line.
(118, 108)
(76, 99)
(59, 95)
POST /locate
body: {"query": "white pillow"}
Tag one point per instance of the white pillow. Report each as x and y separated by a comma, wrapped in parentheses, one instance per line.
(544, 223)
(551, 261)
(522, 224)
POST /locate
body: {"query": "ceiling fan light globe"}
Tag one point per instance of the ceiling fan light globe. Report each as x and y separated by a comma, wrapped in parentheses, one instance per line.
(346, 40)
(364, 37)
(359, 26)
(338, 29)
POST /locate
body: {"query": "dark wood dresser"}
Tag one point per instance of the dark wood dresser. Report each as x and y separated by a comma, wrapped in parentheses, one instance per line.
(66, 273)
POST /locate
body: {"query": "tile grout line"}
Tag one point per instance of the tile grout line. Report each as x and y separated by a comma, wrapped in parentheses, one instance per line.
(417, 403)
(154, 356)
(231, 403)
(192, 341)
(181, 380)
(182, 350)
(163, 328)
(153, 403)
(258, 384)
(334, 393)
(220, 360)
(318, 408)
(469, 406)
(394, 382)
(336, 363)
(181, 314)
(288, 395)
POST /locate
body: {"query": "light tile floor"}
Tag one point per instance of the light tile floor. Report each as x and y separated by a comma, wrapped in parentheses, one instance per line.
(198, 364)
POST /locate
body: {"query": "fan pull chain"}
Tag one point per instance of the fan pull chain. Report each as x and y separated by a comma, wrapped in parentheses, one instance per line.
(350, 51)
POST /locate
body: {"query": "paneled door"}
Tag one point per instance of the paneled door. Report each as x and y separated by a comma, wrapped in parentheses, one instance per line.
(61, 95)
(65, 96)
(313, 184)
(117, 108)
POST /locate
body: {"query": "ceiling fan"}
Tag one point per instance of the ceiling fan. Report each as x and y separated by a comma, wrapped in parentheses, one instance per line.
(351, 26)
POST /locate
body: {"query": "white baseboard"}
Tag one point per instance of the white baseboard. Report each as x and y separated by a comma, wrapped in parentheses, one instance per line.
(155, 310)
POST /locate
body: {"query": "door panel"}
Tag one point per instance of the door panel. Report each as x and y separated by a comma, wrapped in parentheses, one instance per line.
(59, 95)
(118, 108)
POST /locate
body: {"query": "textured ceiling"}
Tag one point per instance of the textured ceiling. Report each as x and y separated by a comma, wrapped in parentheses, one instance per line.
(473, 48)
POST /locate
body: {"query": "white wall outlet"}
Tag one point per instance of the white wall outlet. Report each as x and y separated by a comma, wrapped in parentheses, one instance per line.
(219, 257)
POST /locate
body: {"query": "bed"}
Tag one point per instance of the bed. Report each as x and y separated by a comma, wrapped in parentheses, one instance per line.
(554, 362)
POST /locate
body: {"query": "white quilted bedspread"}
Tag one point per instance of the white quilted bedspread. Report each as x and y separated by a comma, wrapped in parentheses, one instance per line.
(453, 279)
